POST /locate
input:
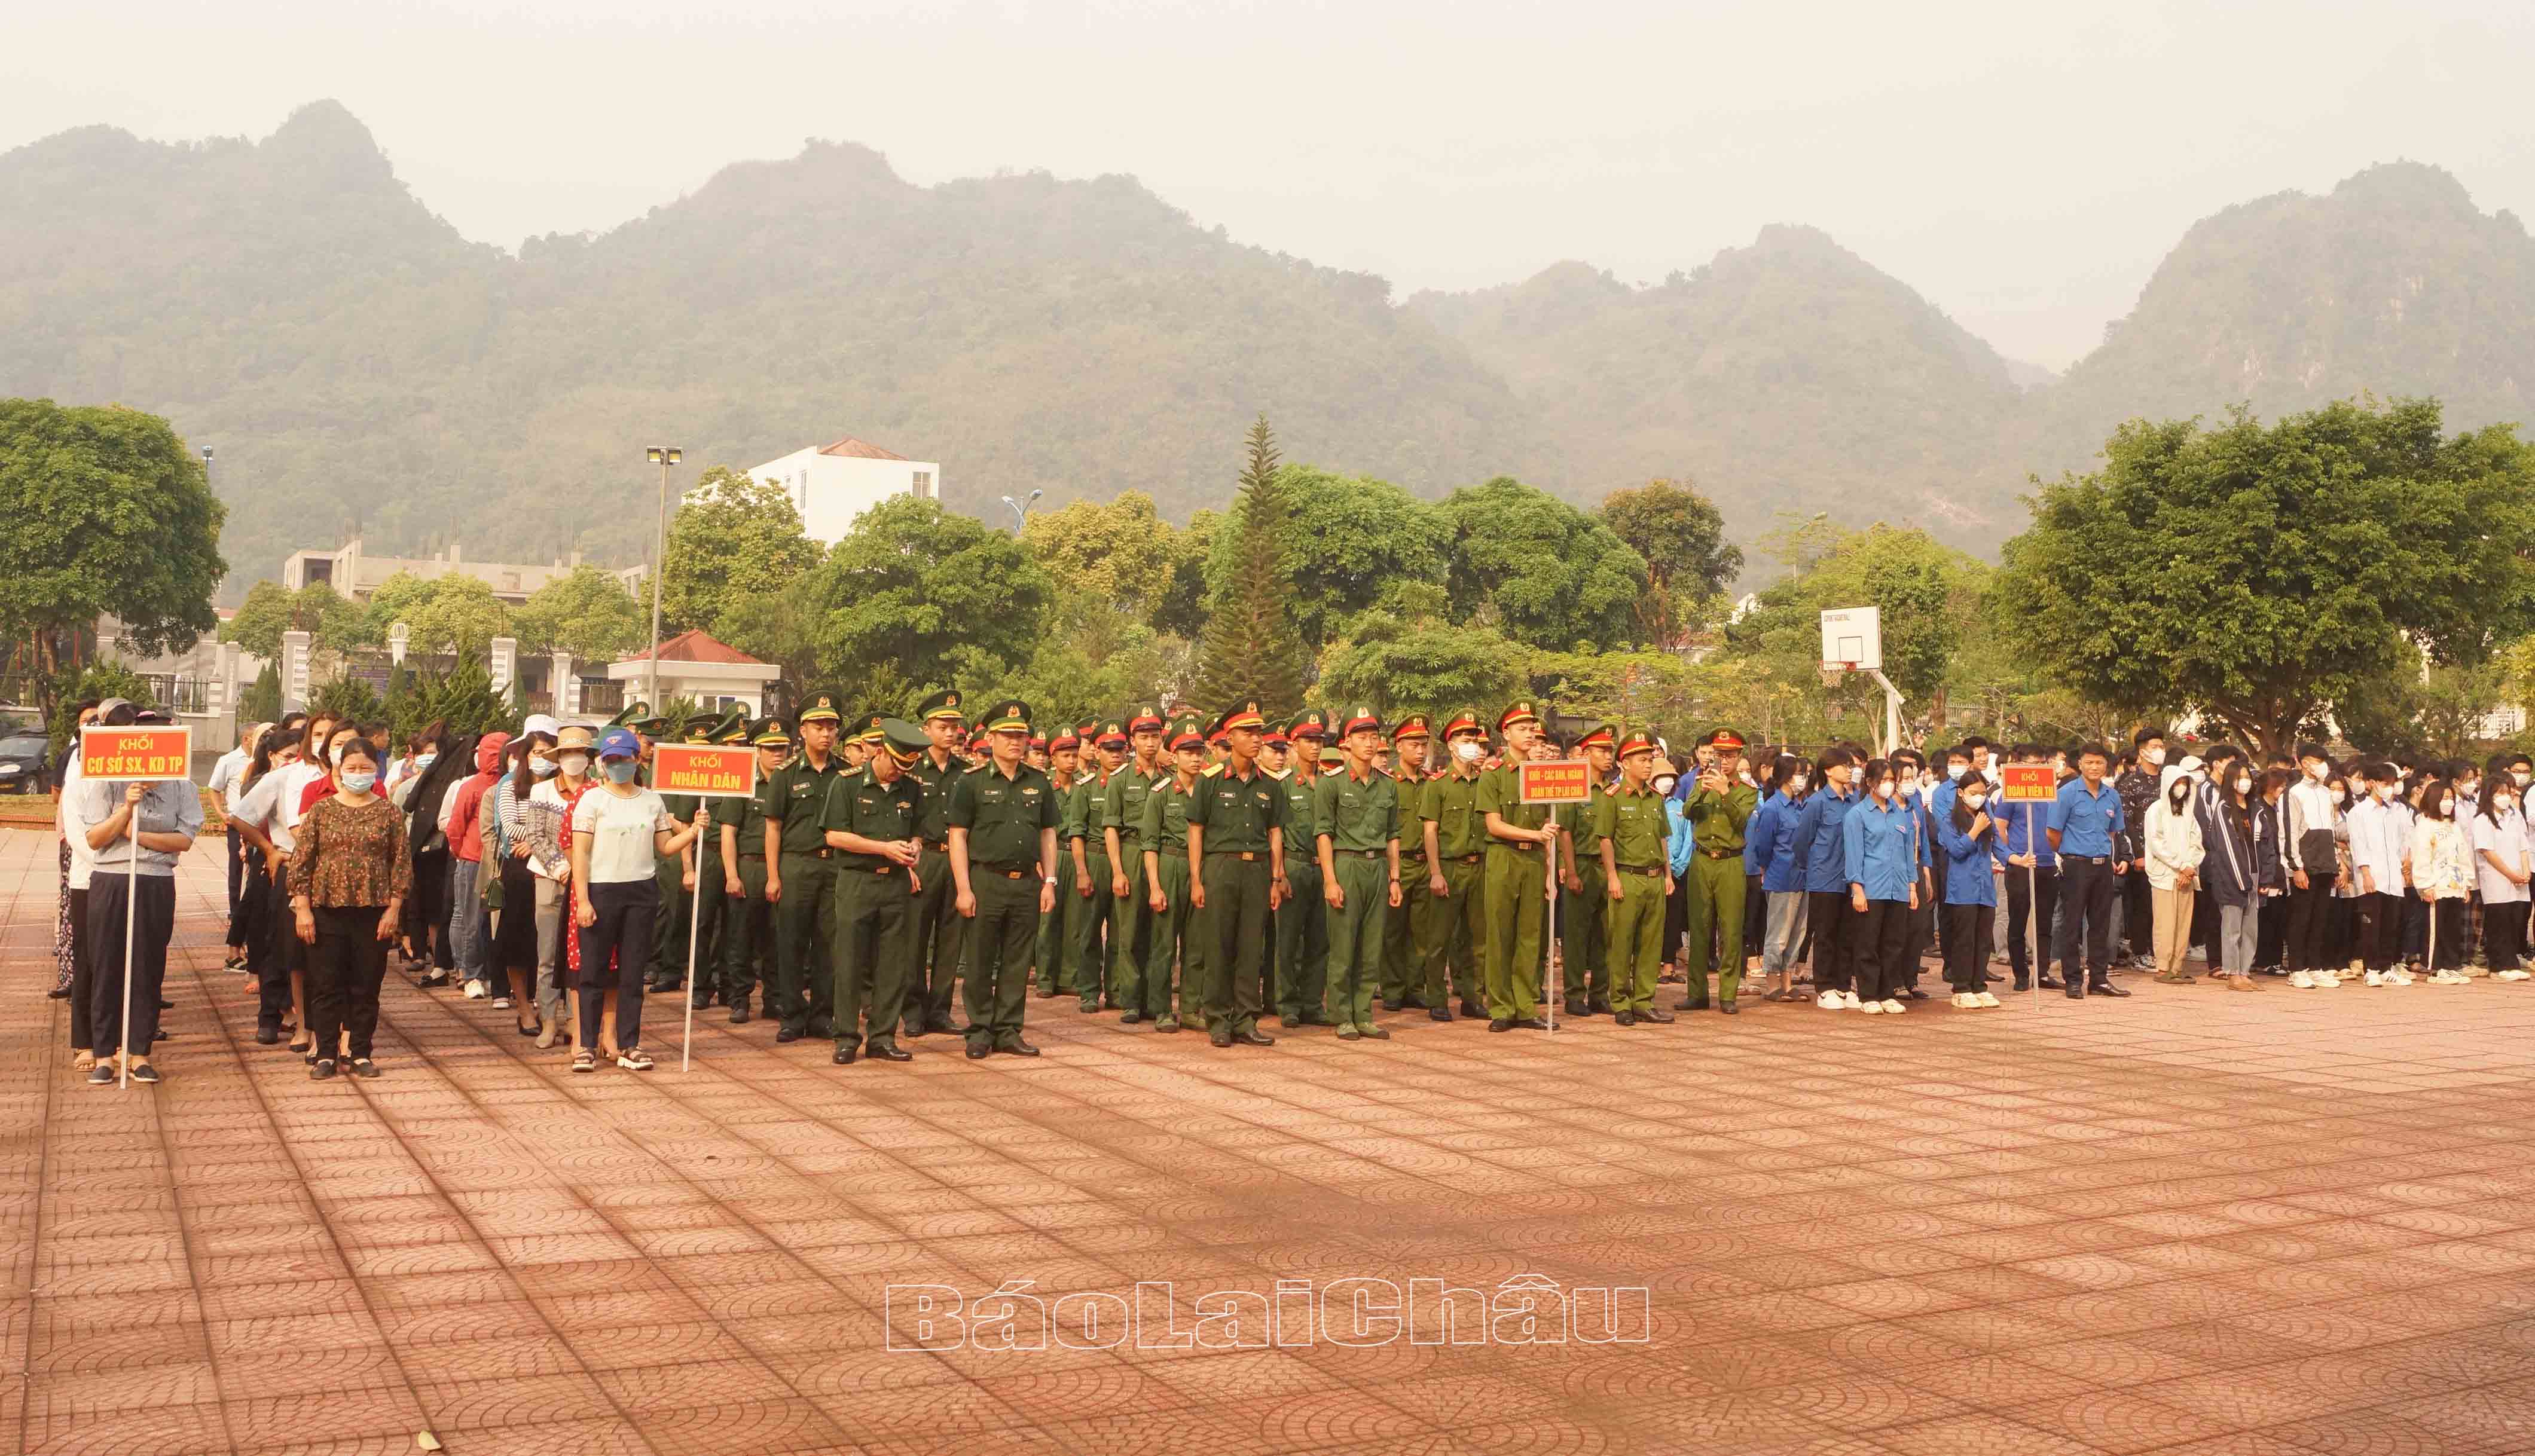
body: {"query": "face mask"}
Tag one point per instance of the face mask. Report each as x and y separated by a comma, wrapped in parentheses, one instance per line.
(576, 764)
(358, 780)
(2243, 785)
(1664, 782)
(2447, 808)
(1883, 789)
(1468, 750)
(1975, 799)
(2468, 787)
(2384, 793)
(621, 770)
(422, 762)
(2316, 772)
(2153, 758)
(335, 754)
(2340, 795)
(2518, 775)
(1796, 784)
(2502, 802)
(541, 766)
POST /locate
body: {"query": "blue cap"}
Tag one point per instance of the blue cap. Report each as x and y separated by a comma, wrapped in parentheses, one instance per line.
(619, 743)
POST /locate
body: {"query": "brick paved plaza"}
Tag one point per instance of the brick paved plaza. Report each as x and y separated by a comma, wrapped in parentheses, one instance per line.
(2189, 1221)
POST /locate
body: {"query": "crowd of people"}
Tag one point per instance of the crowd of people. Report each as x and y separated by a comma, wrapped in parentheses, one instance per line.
(1199, 874)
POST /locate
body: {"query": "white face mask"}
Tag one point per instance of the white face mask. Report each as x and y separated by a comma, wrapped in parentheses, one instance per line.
(1975, 799)
(1795, 783)
(2243, 785)
(1663, 783)
(2521, 775)
(1884, 789)
(2318, 771)
(2340, 795)
(2384, 793)
(541, 765)
(2152, 758)
(1468, 750)
(2502, 802)
(576, 764)
(2447, 806)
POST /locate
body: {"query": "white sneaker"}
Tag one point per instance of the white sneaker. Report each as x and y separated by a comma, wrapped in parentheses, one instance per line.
(2509, 975)
(1988, 1000)
(475, 990)
(2301, 980)
(1828, 1000)
(2326, 980)
(2358, 965)
(1893, 1007)
(1965, 1000)
(1871, 1009)
(2399, 977)
(2451, 978)
(2374, 979)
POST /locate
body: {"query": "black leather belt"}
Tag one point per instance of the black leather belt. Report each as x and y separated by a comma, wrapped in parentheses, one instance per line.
(887, 868)
(1638, 869)
(1243, 855)
(1466, 859)
(1364, 854)
(1722, 854)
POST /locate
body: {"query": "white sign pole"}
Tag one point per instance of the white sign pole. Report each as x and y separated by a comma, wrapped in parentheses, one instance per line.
(2033, 899)
(695, 915)
(1549, 930)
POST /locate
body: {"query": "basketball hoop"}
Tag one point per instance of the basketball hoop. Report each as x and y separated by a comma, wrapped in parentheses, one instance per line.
(1833, 671)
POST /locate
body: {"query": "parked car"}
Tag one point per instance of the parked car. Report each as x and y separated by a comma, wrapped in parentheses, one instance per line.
(26, 763)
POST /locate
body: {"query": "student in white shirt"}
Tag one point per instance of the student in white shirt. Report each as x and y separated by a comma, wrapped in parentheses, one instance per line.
(225, 780)
(2380, 842)
(2502, 864)
(2443, 874)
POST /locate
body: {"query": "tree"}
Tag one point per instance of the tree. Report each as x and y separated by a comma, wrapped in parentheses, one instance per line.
(261, 703)
(736, 538)
(1680, 535)
(1121, 551)
(2258, 573)
(1348, 538)
(1403, 654)
(1250, 650)
(331, 619)
(458, 613)
(925, 597)
(103, 679)
(1182, 612)
(587, 612)
(1930, 596)
(104, 512)
(1548, 574)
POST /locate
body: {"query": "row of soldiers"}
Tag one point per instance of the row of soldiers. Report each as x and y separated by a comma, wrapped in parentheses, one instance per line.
(1181, 873)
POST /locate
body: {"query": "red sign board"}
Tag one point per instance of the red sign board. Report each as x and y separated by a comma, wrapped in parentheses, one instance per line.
(699, 771)
(146, 753)
(2027, 784)
(1559, 782)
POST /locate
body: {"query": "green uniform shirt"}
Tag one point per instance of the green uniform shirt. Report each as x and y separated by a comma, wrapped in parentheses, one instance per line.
(1122, 799)
(1302, 816)
(1081, 811)
(1584, 821)
(1002, 815)
(934, 827)
(1635, 826)
(1716, 820)
(746, 816)
(794, 797)
(1237, 813)
(1501, 794)
(1452, 803)
(1166, 816)
(859, 803)
(682, 808)
(1357, 815)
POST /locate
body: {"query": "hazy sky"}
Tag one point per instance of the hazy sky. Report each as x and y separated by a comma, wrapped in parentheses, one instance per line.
(2023, 165)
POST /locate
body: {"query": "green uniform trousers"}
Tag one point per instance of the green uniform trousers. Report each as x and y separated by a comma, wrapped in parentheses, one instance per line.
(873, 910)
(1583, 937)
(936, 932)
(1000, 940)
(1131, 920)
(748, 930)
(1715, 890)
(1094, 923)
(805, 932)
(1516, 905)
(1403, 970)
(711, 911)
(1453, 929)
(1355, 935)
(668, 967)
(1236, 953)
(1303, 935)
(1635, 924)
(1176, 954)
(1056, 932)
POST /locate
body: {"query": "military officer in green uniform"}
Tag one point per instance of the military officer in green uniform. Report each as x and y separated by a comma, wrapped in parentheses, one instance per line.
(710, 911)
(1303, 928)
(937, 929)
(870, 820)
(1003, 858)
(674, 874)
(1355, 821)
(748, 920)
(1178, 931)
(1064, 758)
(1403, 970)
(1097, 920)
(1519, 836)
(1237, 854)
(1582, 936)
(1720, 804)
(1452, 941)
(1122, 820)
(800, 880)
(1635, 875)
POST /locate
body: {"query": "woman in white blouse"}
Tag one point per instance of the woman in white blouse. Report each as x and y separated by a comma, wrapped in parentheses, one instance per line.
(2443, 874)
(2502, 866)
(619, 831)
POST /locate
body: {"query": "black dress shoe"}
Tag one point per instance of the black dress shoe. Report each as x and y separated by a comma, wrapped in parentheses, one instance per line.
(2052, 982)
(1220, 1038)
(787, 1033)
(1623, 1018)
(1314, 1019)
(1598, 1006)
(1412, 1004)
(1993, 977)
(1472, 1009)
(1088, 1007)
(979, 1052)
(2105, 988)
(58, 992)
(166, 1005)
(1659, 1018)
(1501, 1023)
(2021, 986)
(823, 1029)
(265, 1036)
(845, 1056)
(1531, 1023)
(890, 1053)
(1018, 1049)
(1576, 1008)
(1438, 1014)
(1915, 994)
(1130, 1018)
(914, 1027)
(1253, 1037)
(739, 1013)
(2076, 991)
(1049, 993)
(1729, 1009)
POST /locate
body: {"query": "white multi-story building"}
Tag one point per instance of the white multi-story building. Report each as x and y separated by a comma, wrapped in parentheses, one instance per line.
(833, 484)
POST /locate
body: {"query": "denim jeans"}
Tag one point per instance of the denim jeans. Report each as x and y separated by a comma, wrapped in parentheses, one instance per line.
(467, 946)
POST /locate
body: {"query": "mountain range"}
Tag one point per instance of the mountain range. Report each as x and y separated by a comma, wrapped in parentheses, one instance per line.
(359, 365)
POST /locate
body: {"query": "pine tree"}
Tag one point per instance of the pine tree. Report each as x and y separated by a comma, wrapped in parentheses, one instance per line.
(1250, 648)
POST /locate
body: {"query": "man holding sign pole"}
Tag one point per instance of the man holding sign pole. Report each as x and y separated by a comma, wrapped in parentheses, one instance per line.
(130, 781)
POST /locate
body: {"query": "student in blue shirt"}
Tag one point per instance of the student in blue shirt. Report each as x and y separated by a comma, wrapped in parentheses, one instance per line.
(1968, 843)
(1821, 868)
(2086, 828)
(2032, 873)
(1880, 841)
(1769, 843)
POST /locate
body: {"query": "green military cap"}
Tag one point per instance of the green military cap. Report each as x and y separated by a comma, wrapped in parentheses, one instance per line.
(651, 727)
(1603, 737)
(1087, 731)
(1113, 733)
(626, 715)
(1465, 720)
(732, 729)
(1143, 718)
(942, 705)
(698, 728)
(822, 706)
(1519, 711)
(1184, 732)
(1245, 714)
(1311, 722)
(866, 726)
(1362, 718)
(1010, 715)
(772, 733)
(902, 739)
(1637, 741)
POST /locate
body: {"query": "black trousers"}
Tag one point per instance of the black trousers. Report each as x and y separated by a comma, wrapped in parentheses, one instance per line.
(344, 970)
(2085, 907)
(626, 909)
(2443, 931)
(2272, 942)
(2310, 923)
(153, 905)
(1926, 929)
(2381, 921)
(1878, 937)
(281, 953)
(83, 972)
(237, 888)
(1829, 919)
(2504, 934)
(2031, 894)
(1756, 913)
(1967, 928)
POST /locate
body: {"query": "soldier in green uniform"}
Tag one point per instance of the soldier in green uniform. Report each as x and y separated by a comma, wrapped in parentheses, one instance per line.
(1303, 927)
(1450, 945)
(1237, 853)
(800, 880)
(1583, 937)
(1631, 836)
(1720, 804)
(739, 826)
(1355, 819)
(1122, 820)
(937, 929)
(870, 820)
(673, 874)
(1517, 881)
(729, 731)
(1403, 971)
(1178, 931)
(1052, 953)
(1003, 858)
(1098, 920)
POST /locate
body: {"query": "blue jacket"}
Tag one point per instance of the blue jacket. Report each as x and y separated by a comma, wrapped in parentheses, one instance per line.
(1817, 846)
(1968, 863)
(1677, 848)
(1882, 850)
(1760, 832)
(2017, 825)
(1782, 872)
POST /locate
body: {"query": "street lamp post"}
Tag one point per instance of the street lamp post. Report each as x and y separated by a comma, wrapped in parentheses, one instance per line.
(1020, 511)
(663, 455)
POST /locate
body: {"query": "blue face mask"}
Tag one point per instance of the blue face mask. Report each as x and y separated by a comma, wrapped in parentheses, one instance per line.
(358, 780)
(621, 770)
(541, 767)
(422, 762)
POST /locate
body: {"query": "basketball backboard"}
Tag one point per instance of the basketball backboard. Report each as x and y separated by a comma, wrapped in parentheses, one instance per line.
(1853, 637)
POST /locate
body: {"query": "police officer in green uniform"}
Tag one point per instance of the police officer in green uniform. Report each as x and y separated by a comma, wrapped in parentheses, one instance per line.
(1178, 931)
(1518, 876)
(1720, 804)
(748, 921)
(1303, 927)
(1122, 820)
(1097, 920)
(870, 820)
(801, 878)
(1052, 954)
(1582, 936)
(1452, 942)
(938, 928)
(1355, 819)
(1003, 858)
(1404, 960)
(1632, 878)
(1237, 853)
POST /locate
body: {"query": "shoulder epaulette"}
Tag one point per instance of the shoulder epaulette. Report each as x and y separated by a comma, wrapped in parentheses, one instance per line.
(1210, 770)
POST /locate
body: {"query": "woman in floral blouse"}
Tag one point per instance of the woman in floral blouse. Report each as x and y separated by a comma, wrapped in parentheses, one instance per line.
(350, 875)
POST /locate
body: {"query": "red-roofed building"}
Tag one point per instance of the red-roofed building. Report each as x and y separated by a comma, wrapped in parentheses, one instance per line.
(696, 665)
(832, 484)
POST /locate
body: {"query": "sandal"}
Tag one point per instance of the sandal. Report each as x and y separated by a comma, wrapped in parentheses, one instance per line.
(634, 1061)
(583, 1061)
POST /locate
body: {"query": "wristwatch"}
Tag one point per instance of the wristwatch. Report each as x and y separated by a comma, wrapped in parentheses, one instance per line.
(1047, 880)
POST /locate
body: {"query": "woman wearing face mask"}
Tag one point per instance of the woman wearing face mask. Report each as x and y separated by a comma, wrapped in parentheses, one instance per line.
(1881, 855)
(349, 874)
(1822, 863)
(2502, 866)
(1763, 776)
(619, 831)
(1676, 925)
(1967, 841)
(2172, 846)
(515, 930)
(2270, 868)
(2232, 877)
(462, 823)
(260, 821)
(1773, 833)
(550, 860)
(2442, 876)
(441, 761)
